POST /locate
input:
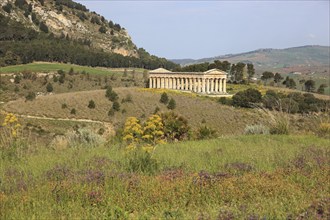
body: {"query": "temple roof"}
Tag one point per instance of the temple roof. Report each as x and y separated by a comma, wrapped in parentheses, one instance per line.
(160, 70)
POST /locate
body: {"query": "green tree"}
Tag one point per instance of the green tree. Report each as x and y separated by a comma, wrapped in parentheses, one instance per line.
(266, 76)
(49, 87)
(310, 85)
(250, 71)
(43, 27)
(91, 104)
(289, 83)
(164, 98)
(102, 30)
(171, 104)
(278, 78)
(247, 98)
(116, 106)
(321, 88)
(30, 96)
(108, 92)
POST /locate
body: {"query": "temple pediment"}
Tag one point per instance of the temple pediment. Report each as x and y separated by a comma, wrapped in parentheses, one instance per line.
(215, 72)
(160, 70)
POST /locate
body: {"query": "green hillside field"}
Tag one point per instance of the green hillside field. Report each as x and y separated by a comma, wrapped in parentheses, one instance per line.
(242, 177)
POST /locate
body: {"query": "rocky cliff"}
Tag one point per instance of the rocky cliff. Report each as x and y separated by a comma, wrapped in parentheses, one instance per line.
(65, 18)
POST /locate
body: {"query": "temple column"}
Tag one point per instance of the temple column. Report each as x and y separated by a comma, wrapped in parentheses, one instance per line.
(158, 82)
(194, 84)
(150, 82)
(174, 83)
(190, 84)
(186, 84)
(170, 83)
(203, 85)
(220, 85)
(207, 86)
(211, 85)
(216, 85)
(166, 83)
(224, 86)
(154, 83)
(182, 84)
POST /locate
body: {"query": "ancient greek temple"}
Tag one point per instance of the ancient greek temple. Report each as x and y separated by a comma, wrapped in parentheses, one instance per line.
(210, 82)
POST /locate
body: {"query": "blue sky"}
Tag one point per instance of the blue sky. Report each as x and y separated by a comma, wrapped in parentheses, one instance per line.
(198, 29)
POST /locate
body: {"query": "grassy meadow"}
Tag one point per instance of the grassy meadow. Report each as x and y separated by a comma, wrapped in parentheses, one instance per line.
(45, 67)
(242, 177)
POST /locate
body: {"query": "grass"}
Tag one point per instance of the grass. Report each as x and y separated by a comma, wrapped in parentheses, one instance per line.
(225, 119)
(46, 67)
(271, 177)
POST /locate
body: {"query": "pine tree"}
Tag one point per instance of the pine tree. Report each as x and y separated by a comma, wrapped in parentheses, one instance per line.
(172, 104)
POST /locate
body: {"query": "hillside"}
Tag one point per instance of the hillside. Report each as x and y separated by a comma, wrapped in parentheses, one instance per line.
(65, 31)
(305, 59)
(72, 20)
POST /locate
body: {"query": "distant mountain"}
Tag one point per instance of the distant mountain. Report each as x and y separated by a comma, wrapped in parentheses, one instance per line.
(304, 58)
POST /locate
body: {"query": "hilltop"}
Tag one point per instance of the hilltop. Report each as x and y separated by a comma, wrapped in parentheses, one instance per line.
(304, 59)
(65, 31)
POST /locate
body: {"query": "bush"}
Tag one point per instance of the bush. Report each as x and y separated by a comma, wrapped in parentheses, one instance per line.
(111, 112)
(80, 137)
(30, 96)
(49, 87)
(164, 98)
(43, 27)
(141, 162)
(205, 132)
(172, 104)
(324, 130)
(73, 111)
(175, 126)
(91, 104)
(102, 30)
(247, 98)
(280, 126)
(256, 129)
(64, 105)
(7, 8)
(116, 106)
(17, 79)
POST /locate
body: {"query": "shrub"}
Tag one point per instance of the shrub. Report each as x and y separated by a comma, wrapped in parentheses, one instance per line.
(91, 104)
(116, 106)
(43, 27)
(280, 126)
(7, 8)
(64, 105)
(172, 104)
(205, 132)
(30, 96)
(102, 30)
(157, 109)
(324, 130)
(256, 129)
(175, 126)
(73, 111)
(247, 98)
(80, 137)
(17, 79)
(128, 98)
(142, 162)
(164, 98)
(111, 112)
(49, 87)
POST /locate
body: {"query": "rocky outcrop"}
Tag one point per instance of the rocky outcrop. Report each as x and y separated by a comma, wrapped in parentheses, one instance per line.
(62, 20)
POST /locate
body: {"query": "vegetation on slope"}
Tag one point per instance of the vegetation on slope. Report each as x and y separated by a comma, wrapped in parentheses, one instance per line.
(238, 177)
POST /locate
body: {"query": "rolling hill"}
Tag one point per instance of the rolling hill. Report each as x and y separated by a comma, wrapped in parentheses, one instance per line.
(305, 59)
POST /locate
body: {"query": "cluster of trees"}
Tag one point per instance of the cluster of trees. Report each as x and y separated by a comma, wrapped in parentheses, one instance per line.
(291, 103)
(19, 45)
(71, 4)
(236, 71)
(171, 104)
(308, 85)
